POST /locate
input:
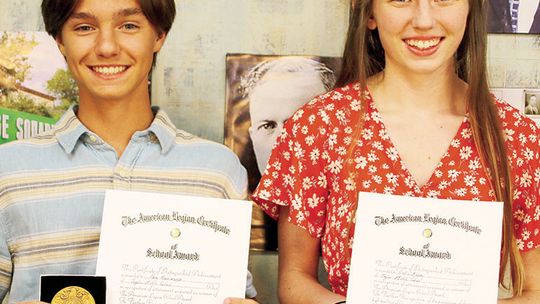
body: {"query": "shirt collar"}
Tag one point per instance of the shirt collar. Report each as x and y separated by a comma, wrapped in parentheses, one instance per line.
(164, 129)
(69, 130)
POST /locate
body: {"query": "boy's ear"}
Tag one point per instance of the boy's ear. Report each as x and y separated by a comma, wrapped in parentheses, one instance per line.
(160, 39)
(60, 45)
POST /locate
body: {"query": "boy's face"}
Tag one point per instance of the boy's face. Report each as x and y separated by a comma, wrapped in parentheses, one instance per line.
(109, 47)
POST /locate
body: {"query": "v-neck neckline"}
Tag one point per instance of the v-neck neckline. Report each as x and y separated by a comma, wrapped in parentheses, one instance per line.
(372, 108)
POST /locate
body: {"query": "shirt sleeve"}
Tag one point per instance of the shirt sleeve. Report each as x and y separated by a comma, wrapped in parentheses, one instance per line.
(526, 174)
(295, 175)
(251, 292)
(5, 265)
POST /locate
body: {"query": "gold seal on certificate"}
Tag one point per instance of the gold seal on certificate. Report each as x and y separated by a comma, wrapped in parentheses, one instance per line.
(73, 295)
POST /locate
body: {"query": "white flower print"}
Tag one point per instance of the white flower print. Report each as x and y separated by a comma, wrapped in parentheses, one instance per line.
(332, 140)
(321, 181)
(298, 115)
(377, 145)
(366, 184)
(340, 115)
(520, 244)
(528, 154)
(392, 153)
(372, 157)
(388, 190)
(361, 162)
(470, 180)
(525, 180)
(367, 134)
(296, 202)
(465, 152)
(443, 185)
(314, 155)
(461, 192)
(474, 164)
(433, 193)
(455, 143)
(312, 118)
(313, 201)
(304, 130)
(310, 140)
(509, 134)
(355, 105)
(350, 184)
(336, 166)
(392, 179)
(525, 234)
(466, 133)
(306, 183)
(453, 174)
(383, 134)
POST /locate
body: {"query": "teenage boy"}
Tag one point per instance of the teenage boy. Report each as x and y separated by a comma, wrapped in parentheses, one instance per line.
(52, 186)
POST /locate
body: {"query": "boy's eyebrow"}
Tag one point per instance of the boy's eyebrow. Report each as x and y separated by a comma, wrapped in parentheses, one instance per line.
(123, 13)
(128, 12)
(82, 15)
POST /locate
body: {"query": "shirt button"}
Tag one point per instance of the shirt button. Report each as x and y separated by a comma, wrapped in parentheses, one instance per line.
(93, 139)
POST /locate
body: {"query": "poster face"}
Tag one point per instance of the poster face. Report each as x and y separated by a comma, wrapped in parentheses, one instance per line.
(514, 16)
(35, 86)
(262, 93)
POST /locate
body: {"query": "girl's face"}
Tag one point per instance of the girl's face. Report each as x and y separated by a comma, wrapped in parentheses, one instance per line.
(420, 36)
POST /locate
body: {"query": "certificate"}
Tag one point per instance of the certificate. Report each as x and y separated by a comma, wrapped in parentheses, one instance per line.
(418, 250)
(159, 248)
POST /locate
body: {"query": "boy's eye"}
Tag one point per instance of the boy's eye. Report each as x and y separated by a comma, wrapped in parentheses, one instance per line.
(83, 28)
(130, 26)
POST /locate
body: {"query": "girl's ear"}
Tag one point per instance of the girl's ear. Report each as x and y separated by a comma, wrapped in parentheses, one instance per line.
(371, 23)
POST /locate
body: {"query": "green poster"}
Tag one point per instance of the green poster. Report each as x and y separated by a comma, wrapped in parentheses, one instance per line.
(18, 125)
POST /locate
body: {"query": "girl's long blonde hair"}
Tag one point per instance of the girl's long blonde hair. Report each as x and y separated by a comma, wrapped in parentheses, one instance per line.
(364, 57)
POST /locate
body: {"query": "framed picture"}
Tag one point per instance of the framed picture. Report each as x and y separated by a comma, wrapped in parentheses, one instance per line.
(262, 92)
(531, 103)
(514, 16)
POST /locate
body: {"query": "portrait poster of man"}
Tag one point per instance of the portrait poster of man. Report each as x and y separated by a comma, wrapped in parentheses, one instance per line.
(35, 85)
(532, 103)
(514, 16)
(262, 92)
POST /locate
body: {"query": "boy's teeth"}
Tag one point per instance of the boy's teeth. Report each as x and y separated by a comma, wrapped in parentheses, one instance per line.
(422, 44)
(109, 70)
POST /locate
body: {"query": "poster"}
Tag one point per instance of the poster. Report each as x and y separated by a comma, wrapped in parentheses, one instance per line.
(514, 16)
(262, 92)
(35, 86)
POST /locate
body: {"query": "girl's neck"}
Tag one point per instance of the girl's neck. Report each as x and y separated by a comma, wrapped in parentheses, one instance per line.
(441, 91)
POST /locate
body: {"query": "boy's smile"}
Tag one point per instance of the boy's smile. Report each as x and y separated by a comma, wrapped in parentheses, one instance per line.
(109, 47)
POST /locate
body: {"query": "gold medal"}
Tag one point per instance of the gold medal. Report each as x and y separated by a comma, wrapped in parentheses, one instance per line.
(73, 295)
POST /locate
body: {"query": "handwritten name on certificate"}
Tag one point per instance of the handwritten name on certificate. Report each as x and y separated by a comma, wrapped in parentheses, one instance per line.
(160, 248)
(410, 250)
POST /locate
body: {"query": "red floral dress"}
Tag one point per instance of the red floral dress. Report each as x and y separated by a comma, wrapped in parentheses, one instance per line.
(310, 172)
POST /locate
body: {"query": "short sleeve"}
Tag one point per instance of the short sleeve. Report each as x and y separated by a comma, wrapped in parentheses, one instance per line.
(5, 265)
(295, 175)
(525, 156)
(251, 292)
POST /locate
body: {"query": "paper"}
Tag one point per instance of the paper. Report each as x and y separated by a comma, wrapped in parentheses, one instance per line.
(158, 248)
(410, 250)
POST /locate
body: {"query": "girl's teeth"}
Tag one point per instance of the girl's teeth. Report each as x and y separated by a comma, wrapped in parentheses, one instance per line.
(423, 44)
